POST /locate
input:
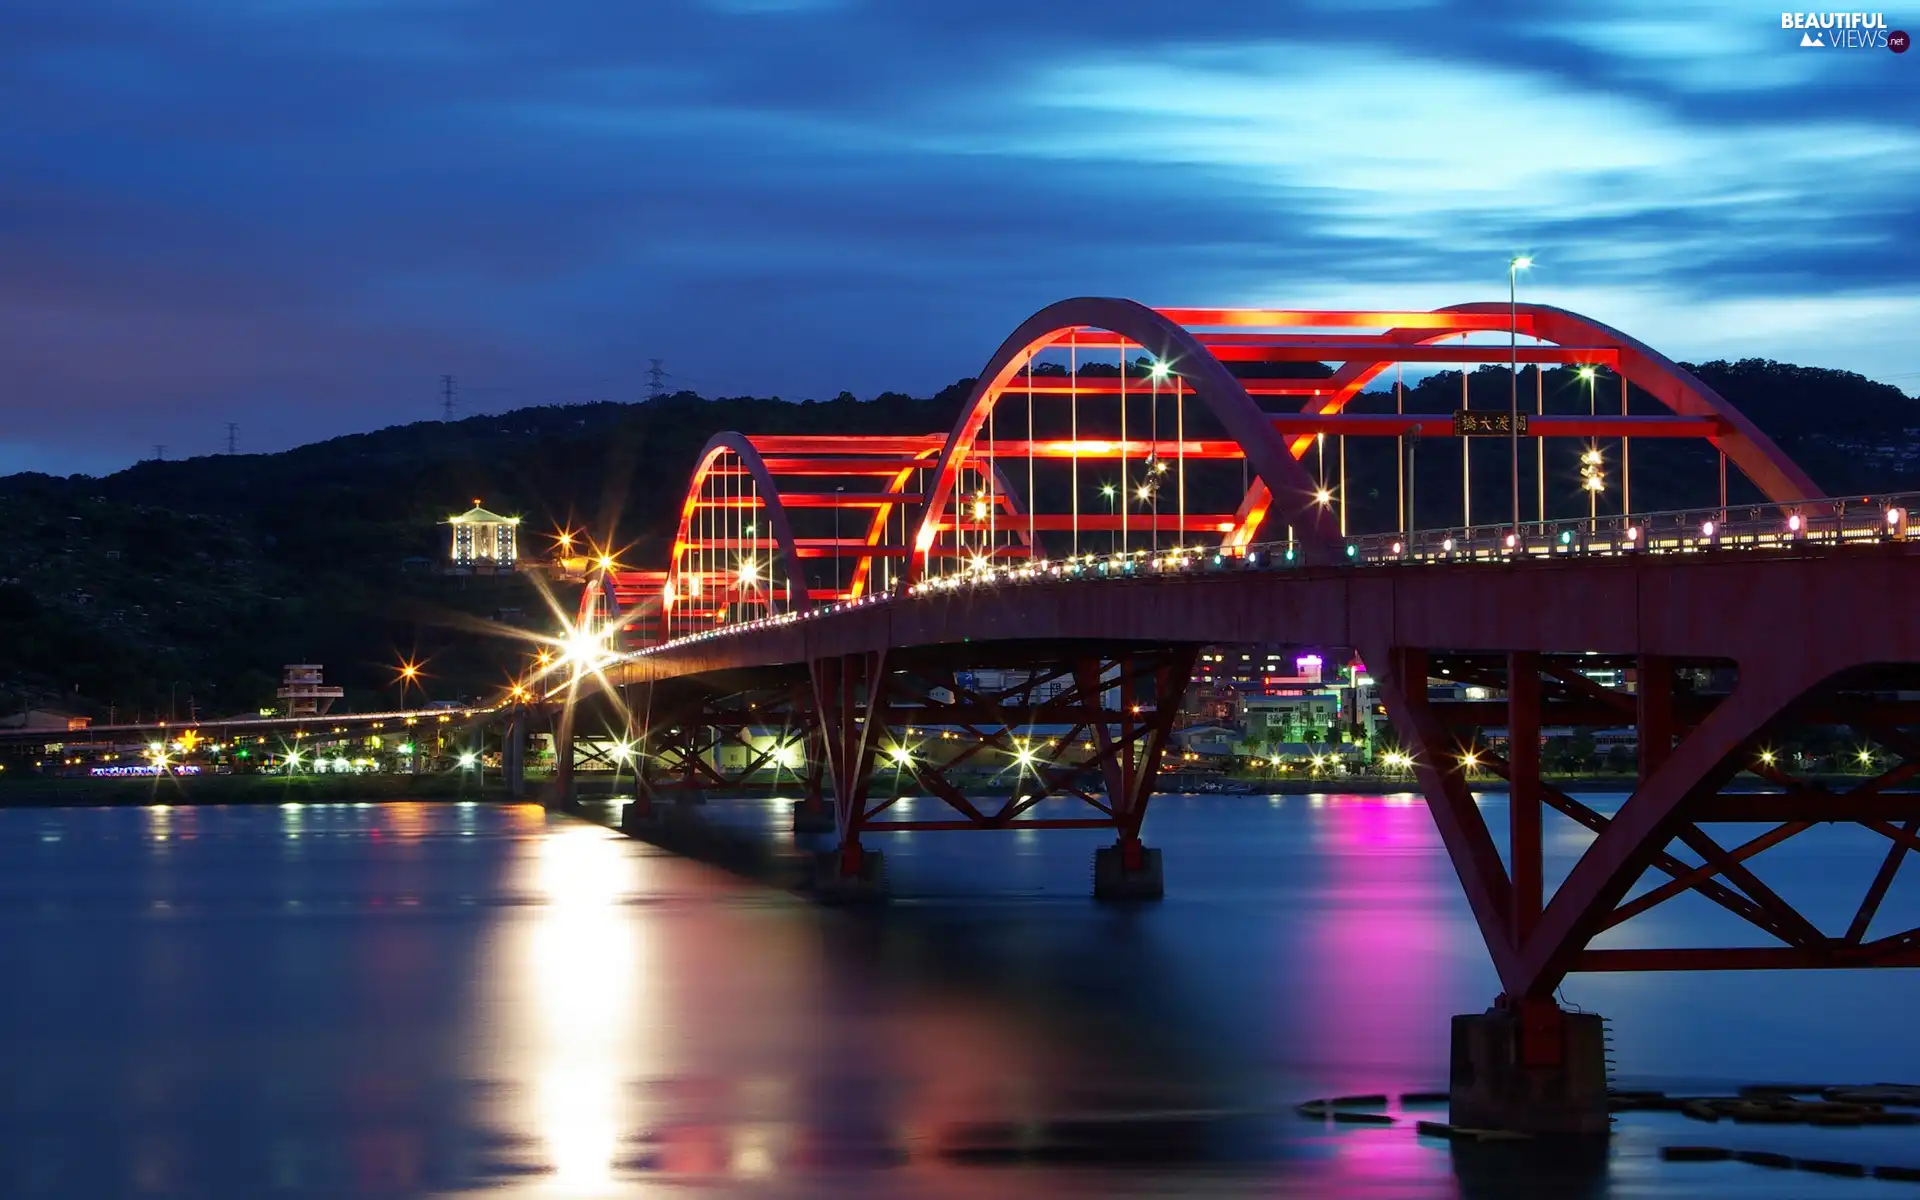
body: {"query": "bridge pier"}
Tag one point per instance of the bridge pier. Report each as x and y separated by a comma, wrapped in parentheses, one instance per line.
(513, 753)
(812, 815)
(1529, 1068)
(850, 706)
(1128, 870)
(850, 874)
(561, 793)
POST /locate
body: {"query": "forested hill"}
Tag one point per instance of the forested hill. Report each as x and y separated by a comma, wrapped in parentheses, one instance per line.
(195, 579)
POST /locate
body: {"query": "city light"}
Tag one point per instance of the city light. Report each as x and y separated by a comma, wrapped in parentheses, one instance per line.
(1766, 758)
(1470, 760)
(749, 572)
(1865, 756)
(564, 539)
(1160, 369)
(468, 758)
(1106, 491)
(1144, 491)
(582, 646)
(902, 756)
(1323, 497)
(1024, 755)
(1397, 760)
(1585, 374)
(623, 750)
(787, 755)
(606, 562)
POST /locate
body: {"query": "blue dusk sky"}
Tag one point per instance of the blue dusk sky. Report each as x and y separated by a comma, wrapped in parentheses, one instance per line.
(296, 214)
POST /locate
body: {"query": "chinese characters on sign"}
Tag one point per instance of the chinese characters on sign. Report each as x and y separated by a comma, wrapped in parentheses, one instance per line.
(1467, 423)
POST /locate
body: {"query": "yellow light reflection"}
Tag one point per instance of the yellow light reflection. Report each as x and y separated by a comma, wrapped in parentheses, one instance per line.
(584, 957)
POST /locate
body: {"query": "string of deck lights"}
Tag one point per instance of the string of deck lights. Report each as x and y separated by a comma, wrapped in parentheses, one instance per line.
(1812, 522)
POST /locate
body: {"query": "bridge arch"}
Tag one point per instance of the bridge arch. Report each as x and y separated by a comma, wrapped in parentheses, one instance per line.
(1185, 357)
(779, 537)
(1778, 477)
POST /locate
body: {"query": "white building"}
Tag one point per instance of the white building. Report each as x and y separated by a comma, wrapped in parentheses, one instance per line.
(482, 542)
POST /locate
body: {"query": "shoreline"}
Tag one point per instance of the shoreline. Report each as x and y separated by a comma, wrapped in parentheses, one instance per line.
(57, 792)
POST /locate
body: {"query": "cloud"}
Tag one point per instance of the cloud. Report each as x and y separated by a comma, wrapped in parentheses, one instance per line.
(298, 216)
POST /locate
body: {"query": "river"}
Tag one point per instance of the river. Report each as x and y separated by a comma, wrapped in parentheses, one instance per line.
(404, 999)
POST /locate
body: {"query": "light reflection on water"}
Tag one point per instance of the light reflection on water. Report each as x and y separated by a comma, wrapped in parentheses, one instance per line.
(406, 999)
(586, 964)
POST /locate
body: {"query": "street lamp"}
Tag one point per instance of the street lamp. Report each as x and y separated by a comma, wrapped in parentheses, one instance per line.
(1109, 493)
(1514, 267)
(1590, 476)
(408, 676)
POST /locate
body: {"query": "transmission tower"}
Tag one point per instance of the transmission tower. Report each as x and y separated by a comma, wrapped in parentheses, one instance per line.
(656, 378)
(446, 397)
(160, 451)
(233, 437)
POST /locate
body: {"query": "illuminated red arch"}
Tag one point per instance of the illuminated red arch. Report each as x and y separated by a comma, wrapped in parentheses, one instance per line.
(1778, 477)
(612, 593)
(1186, 357)
(1006, 496)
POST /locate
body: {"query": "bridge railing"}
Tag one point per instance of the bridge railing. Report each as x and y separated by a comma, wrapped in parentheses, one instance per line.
(1758, 527)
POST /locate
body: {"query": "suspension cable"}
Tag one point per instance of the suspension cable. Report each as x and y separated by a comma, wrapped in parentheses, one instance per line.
(1033, 544)
(1073, 392)
(1180, 441)
(1125, 484)
(1400, 451)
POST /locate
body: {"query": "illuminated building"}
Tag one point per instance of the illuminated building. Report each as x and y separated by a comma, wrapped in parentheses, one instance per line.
(483, 543)
(303, 689)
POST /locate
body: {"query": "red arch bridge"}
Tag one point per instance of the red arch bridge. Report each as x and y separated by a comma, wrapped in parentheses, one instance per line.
(1127, 485)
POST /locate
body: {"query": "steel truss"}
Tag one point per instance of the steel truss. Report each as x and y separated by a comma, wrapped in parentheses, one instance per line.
(1697, 727)
(877, 726)
(865, 702)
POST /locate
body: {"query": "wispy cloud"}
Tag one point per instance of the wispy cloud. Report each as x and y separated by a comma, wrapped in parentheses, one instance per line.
(300, 215)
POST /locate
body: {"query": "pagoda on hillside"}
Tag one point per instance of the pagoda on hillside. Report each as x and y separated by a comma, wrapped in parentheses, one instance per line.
(483, 543)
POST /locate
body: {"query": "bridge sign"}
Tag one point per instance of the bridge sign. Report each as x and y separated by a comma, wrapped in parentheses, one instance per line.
(1466, 423)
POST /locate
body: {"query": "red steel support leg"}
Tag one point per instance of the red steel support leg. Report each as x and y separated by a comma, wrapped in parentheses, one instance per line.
(1437, 766)
(1653, 712)
(841, 686)
(810, 812)
(1129, 870)
(1523, 796)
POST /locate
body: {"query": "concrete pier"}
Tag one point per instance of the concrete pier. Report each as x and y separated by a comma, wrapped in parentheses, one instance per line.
(1535, 1069)
(1114, 880)
(810, 816)
(832, 884)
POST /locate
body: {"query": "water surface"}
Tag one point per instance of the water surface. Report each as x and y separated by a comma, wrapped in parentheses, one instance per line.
(412, 999)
